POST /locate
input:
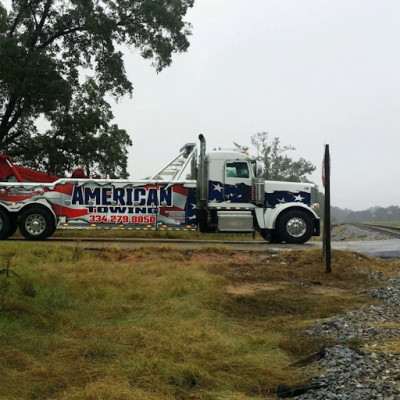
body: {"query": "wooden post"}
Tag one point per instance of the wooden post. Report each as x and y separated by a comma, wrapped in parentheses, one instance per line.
(327, 212)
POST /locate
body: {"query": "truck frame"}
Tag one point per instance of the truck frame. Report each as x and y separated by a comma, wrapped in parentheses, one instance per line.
(219, 191)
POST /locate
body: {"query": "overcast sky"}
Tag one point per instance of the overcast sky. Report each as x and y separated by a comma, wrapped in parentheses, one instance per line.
(312, 72)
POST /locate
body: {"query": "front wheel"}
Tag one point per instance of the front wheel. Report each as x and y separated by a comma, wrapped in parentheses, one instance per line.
(270, 236)
(295, 227)
(36, 224)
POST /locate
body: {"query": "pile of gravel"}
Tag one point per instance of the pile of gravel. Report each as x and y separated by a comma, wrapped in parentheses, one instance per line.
(349, 373)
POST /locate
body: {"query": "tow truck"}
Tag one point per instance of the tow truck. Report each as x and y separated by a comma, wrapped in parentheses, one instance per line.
(218, 191)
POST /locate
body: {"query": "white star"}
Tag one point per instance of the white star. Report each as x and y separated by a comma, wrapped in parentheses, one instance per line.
(218, 187)
(193, 206)
(298, 197)
(282, 200)
(194, 217)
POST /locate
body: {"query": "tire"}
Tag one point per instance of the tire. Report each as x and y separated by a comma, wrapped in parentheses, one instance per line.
(265, 234)
(36, 224)
(275, 237)
(201, 217)
(5, 224)
(270, 236)
(13, 226)
(295, 227)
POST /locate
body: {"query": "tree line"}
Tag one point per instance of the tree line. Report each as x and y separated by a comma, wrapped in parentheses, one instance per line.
(373, 214)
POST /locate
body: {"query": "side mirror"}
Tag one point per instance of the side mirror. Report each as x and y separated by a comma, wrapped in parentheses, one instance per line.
(258, 168)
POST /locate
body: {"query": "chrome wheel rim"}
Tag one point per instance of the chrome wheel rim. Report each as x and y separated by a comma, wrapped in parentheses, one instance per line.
(296, 227)
(35, 224)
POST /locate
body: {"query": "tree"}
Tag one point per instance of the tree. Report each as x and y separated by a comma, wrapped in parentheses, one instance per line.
(278, 166)
(81, 128)
(46, 48)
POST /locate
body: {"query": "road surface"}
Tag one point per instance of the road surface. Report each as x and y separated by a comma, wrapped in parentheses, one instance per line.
(379, 248)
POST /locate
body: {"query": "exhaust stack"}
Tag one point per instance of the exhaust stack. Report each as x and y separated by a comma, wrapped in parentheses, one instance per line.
(202, 175)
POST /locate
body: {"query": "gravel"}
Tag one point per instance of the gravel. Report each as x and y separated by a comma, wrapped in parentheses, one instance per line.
(352, 375)
(351, 232)
(349, 373)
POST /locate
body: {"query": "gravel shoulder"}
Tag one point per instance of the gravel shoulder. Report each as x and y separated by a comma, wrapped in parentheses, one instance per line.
(351, 232)
(360, 365)
(356, 366)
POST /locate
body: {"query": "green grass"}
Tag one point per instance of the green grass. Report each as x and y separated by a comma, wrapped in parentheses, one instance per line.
(157, 323)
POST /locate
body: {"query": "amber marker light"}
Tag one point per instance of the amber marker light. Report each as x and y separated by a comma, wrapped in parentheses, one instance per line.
(315, 206)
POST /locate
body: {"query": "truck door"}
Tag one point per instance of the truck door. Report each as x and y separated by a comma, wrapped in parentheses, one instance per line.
(237, 182)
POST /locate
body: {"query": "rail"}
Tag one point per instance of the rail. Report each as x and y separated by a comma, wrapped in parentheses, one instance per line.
(387, 230)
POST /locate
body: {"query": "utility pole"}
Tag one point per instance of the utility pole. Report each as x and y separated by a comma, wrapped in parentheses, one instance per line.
(326, 180)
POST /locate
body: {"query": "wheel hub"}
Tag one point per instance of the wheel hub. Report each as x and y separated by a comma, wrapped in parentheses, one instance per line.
(296, 227)
(35, 224)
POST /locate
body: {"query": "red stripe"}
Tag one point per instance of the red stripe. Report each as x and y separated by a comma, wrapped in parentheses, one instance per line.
(66, 188)
(73, 212)
(179, 189)
(165, 210)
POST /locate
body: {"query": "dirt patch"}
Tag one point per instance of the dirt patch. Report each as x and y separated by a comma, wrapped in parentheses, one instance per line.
(222, 255)
(251, 289)
(204, 258)
(330, 291)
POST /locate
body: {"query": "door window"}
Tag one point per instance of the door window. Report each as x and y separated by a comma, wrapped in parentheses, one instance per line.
(237, 170)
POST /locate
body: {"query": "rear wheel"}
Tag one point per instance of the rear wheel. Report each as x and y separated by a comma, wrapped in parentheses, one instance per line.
(36, 224)
(295, 227)
(202, 221)
(13, 226)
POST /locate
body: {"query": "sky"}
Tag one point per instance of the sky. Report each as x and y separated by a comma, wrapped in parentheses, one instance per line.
(311, 72)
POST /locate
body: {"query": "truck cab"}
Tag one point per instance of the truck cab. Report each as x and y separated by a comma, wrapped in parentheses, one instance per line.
(238, 200)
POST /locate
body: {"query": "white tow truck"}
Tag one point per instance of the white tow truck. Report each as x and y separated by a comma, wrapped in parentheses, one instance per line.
(218, 191)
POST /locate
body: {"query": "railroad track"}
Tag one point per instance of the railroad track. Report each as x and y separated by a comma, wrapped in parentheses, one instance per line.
(387, 230)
